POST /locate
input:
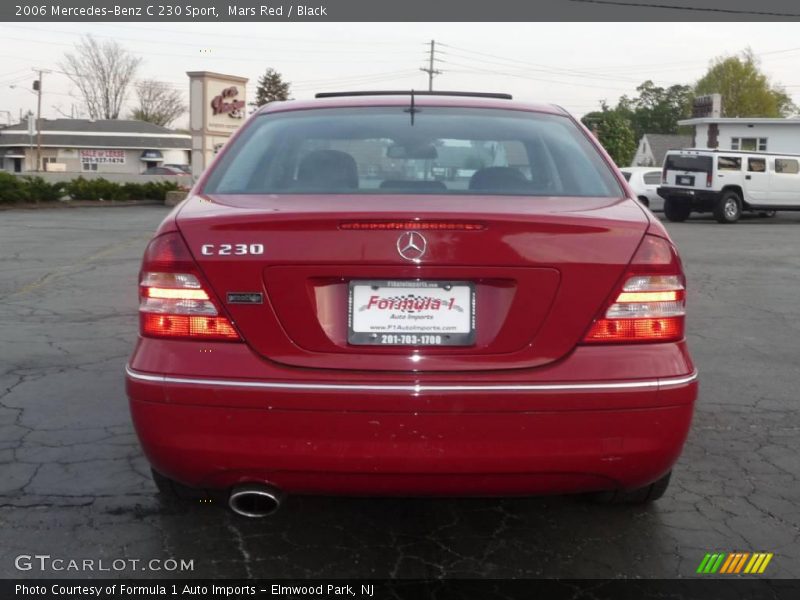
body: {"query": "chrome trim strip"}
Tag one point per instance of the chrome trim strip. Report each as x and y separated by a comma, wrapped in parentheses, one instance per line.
(543, 387)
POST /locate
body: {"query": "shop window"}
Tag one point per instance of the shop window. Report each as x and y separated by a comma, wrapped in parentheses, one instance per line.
(749, 144)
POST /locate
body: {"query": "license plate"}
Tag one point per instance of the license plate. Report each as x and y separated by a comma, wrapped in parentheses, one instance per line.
(411, 313)
(685, 179)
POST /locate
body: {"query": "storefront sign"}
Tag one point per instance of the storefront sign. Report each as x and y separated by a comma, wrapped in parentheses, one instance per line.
(226, 103)
(103, 157)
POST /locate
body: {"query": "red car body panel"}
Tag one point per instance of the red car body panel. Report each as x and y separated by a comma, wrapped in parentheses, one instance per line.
(526, 409)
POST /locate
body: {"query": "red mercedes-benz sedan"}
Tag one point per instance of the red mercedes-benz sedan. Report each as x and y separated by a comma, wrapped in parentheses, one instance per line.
(411, 294)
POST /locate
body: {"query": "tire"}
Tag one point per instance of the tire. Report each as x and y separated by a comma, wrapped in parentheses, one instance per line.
(644, 495)
(729, 208)
(644, 201)
(173, 491)
(676, 211)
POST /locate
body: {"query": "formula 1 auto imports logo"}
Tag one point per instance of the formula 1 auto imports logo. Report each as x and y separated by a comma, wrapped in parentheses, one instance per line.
(410, 303)
(728, 563)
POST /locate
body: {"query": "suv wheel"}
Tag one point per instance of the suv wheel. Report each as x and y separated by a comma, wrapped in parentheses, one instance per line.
(676, 211)
(644, 495)
(728, 208)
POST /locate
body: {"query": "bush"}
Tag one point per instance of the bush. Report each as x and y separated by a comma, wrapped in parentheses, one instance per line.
(102, 189)
(12, 189)
(36, 189)
(39, 190)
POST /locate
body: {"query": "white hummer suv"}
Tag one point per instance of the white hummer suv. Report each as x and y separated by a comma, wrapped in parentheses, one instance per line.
(727, 183)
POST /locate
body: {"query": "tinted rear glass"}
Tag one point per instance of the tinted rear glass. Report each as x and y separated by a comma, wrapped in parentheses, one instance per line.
(678, 162)
(652, 177)
(627, 175)
(380, 150)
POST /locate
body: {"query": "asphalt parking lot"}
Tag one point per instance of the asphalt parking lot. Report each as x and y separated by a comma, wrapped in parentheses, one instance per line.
(74, 484)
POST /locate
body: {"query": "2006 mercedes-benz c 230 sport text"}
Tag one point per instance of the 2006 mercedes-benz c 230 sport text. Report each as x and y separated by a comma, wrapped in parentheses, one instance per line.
(411, 294)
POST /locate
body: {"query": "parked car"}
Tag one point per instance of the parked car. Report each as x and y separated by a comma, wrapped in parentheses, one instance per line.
(645, 181)
(727, 183)
(166, 170)
(185, 168)
(309, 324)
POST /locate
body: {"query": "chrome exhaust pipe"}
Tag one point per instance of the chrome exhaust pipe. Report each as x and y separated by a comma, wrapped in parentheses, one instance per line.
(255, 500)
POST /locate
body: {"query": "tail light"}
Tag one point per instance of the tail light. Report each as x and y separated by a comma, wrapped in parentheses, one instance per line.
(664, 174)
(709, 180)
(173, 300)
(650, 306)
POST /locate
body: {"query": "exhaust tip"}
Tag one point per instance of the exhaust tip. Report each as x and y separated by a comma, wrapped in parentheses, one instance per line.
(255, 500)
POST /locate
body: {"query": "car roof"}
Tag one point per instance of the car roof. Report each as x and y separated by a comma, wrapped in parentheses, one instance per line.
(722, 151)
(404, 100)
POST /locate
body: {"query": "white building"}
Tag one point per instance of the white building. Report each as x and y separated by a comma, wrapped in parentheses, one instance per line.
(101, 146)
(750, 134)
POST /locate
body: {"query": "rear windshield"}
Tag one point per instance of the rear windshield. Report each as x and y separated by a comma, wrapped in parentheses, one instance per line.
(683, 162)
(383, 150)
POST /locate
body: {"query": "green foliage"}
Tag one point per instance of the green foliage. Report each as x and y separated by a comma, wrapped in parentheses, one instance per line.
(746, 91)
(12, 189)
(28, 189)
(271, 87)
(656, 109)
(102, 189)
(15, 189)
(614, 132)
(39, 190)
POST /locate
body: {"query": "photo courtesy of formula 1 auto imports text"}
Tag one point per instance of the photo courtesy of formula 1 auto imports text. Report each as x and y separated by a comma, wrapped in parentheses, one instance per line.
(424, 300)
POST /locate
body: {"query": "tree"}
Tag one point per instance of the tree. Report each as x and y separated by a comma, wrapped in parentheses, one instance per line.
(746, 91)
(158, 103)
(614, 132)
(656, 109)
(103, 73)
(271, 87)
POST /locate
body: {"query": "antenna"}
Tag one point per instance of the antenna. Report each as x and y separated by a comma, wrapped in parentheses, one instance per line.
(412, 110)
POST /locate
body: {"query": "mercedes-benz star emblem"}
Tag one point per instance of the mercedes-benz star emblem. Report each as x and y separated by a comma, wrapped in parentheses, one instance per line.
(412, 246)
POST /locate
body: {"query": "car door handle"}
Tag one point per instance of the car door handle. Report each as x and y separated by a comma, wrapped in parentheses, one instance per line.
(747, 177)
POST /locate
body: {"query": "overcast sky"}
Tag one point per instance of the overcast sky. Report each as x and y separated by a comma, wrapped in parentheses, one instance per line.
(575, 65)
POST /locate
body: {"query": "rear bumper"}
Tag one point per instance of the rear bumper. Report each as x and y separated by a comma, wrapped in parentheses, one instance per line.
(697, 199)
(476, 436)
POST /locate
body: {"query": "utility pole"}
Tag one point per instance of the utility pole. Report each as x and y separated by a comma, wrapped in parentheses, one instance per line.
(37, 86)
(429, 69)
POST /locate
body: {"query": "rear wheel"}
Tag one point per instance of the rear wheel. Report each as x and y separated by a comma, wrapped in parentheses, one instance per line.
(676, 211)
(644, 495)
(765, 214)
(728, 208)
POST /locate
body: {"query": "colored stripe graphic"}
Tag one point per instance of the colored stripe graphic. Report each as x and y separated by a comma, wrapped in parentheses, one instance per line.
(711, 563)
(741, 562)
(731, 560)
(764, 564)
(703, 564)
(734, 562)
